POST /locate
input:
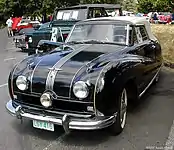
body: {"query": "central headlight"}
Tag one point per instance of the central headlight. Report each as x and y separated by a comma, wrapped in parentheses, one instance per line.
(80, 89)
(46, 100)
(21, 83)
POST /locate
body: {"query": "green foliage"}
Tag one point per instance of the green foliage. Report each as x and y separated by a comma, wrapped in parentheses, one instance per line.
(146, 6)
(100, 1)
(129, 5)
(31, 7)
(43, 7)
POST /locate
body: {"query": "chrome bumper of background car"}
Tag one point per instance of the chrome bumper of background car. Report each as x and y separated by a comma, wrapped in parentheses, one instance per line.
(66, 121)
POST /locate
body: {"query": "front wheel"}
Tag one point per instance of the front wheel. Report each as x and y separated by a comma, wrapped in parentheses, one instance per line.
(120, 122)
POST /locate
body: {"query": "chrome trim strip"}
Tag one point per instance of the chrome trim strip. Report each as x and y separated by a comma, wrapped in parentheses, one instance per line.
(79, 71)
(53, 72)
(73, 123)
(127, 37)
(73, 80)
(69, 35)
(95, 89)
(31, 78)
(150, 83)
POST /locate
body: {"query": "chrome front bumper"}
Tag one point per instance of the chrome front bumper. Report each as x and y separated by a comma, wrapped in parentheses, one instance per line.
(65, 120)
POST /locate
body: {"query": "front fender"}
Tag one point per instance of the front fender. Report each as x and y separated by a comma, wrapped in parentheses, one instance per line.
(116, 74)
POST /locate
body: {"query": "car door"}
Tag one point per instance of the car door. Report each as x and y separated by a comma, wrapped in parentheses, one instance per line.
(137, 49)
(142, 48)
(147, 50)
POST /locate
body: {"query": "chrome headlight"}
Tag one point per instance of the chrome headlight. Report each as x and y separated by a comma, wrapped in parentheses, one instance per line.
(21, 83)
(46, 100)
(80, 89)
(30, 40)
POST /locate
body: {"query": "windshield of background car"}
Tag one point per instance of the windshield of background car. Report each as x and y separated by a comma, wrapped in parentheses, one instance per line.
(75, 14)
(112, 33)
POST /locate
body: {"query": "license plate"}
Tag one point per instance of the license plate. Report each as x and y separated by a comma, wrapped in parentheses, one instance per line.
(43, 125)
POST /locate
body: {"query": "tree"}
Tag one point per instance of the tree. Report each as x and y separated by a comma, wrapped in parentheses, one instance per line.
(129, 5)
(146, 6)
(32, 7)
(100, 1)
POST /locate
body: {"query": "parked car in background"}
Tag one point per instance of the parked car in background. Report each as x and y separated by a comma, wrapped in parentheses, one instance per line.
(128, 13)
(65, 18)
(164, 17)
(87, 82)
(20, 39)
(113, 10)
(16, 20)
(20, 24)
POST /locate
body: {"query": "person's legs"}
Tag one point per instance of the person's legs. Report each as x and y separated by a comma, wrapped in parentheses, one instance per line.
(11, 31)
(8, 30)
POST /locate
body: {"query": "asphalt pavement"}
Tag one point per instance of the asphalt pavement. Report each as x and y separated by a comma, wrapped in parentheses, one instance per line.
(149, 125)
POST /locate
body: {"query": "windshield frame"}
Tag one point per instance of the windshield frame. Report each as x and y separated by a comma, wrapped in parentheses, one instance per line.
(128, 25)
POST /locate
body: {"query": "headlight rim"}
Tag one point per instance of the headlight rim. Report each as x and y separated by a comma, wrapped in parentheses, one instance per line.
(84, 84)
(49, 97)
(24, 80)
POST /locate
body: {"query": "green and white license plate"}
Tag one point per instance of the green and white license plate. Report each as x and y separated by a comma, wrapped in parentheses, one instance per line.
(43, 125)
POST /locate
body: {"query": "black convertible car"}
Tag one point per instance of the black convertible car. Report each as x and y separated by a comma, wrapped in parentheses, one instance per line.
(87, 82)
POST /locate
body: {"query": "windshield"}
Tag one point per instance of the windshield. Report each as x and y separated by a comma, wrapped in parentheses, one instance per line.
(45, 25)
(109, 33)
(75, 14)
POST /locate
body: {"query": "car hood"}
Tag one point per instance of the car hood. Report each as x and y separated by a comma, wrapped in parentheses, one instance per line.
(72, 64)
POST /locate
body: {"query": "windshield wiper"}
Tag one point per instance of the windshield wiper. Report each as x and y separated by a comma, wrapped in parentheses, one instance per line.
(95, 42)
(74, 42)
(92, 41)
(101, 42)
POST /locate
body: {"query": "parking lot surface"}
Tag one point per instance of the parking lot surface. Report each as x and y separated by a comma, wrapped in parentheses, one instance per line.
(149, 124)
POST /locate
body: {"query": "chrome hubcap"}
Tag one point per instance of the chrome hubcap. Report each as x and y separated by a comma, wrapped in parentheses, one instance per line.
(123, 108)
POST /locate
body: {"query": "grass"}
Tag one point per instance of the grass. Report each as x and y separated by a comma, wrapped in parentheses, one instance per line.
(165, 34)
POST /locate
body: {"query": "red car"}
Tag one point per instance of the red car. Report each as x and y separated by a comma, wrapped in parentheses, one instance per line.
(165, 18)
(16, 20)
(19, 24)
